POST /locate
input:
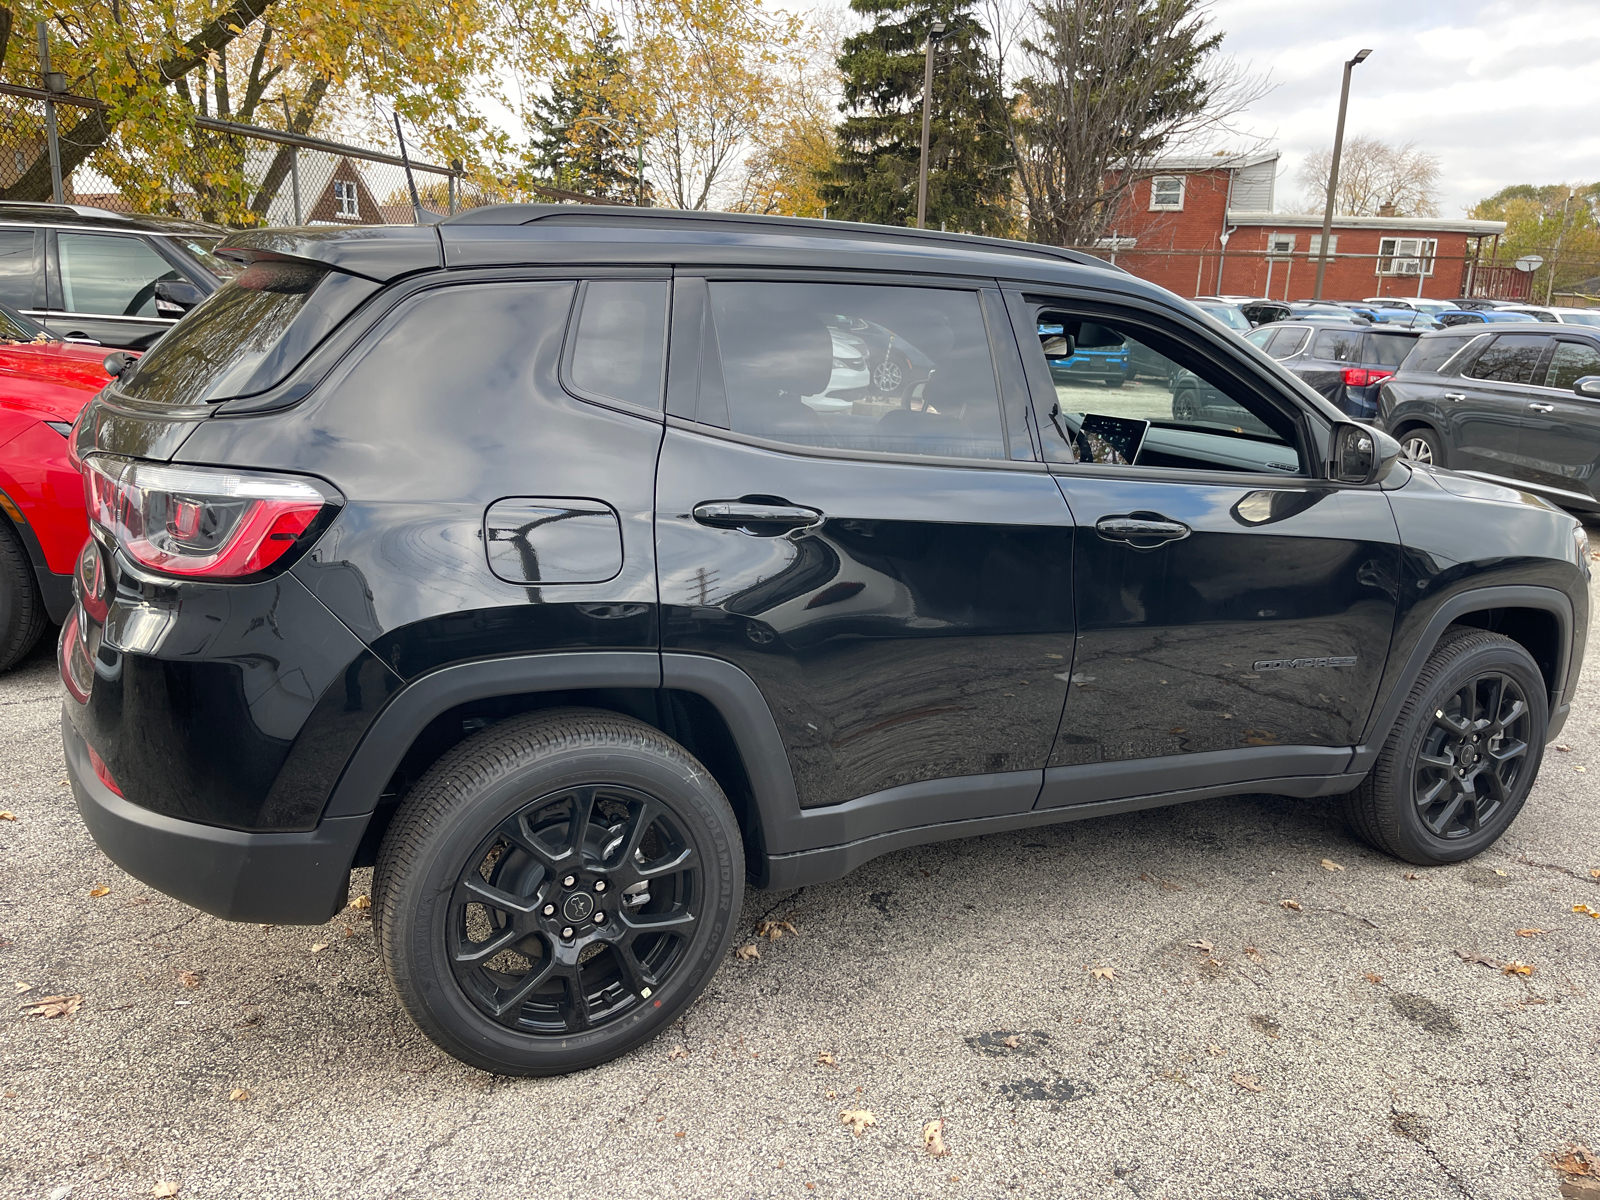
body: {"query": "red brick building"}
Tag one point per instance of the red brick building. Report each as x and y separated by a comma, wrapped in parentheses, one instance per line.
(1205, 226)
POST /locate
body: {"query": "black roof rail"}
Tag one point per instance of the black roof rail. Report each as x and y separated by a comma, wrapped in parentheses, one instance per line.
(668, 218)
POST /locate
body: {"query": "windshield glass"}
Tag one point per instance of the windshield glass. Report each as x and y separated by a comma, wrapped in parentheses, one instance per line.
(1581, 318)
(1229, 316)
(213, 352)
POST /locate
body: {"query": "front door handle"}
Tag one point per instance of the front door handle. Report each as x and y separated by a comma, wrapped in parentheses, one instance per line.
(765, 519)
(1142, 529)
(1458, 397)
(1542, 407)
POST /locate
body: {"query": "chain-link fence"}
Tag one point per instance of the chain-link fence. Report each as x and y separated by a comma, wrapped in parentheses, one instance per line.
(219, 171)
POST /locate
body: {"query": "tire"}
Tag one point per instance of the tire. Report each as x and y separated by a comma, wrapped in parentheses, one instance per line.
(1116, 383)
(1184, 407)
(1404, 806)
(1422, 445)
(22, 615)
(491, 822)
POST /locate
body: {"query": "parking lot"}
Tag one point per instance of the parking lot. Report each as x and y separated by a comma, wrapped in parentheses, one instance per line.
(1279, 1012)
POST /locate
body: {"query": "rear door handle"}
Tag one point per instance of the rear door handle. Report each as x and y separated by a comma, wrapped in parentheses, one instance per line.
(1458, 397)
(765, 519)
(1143, 529)
(1542, 407)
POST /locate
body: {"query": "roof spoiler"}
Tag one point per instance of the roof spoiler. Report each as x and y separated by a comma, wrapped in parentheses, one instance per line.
(376, 252)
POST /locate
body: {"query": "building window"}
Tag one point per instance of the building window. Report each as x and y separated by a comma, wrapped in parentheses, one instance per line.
(1315, 248)
(347, 203)
(1166, 193)
(1280, 243)
(1406, 256)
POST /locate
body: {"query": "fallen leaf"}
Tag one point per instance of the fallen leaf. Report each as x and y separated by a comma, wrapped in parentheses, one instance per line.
(858, 1119)
(1292, 905)
(750, 951)
(677, 1053)
(1413, 874)
(1565, 749)
(23, 987)
(1103, 972)
(1580, 770)
(361, 902)
(1203, 947)
(1215, 1050)
(955, 1179)
(165, 1189)
(61, 1193)
(1529, 932)
(1499, 872)
(1517, 968)
(189, 979)
(1254, 953)
(1250, 1083)
(933, 1139)
(1586, 911)
(1329, 865)
(238, 1094)
(830, 1095)
(1468, 956)
(1595, 873)
(1013, 1041)
(100, 890)
(1574, 1160)
(7, 815)
(50, 1007)
(318, 947)
(826, 1060)
(774, 929)
(681, 1133)
(1371, 978)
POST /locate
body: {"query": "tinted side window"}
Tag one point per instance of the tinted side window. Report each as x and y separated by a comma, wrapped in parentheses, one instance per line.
(1259, 338)
(17, 270)
(619, 346)
(901, 370)
(110, 275)
(1431, 353)
(1570, 363)
(1387, 349)
(1339, 345)
(1288, 342)
(1510, 358)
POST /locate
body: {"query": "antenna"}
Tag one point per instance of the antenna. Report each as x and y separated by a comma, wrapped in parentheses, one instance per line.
(420, 215)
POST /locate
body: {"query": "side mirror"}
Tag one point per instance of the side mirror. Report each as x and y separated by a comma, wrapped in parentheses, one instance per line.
(174, 297)
(1588, 387)
(116, 363)
(1059, 346)
(1362, 454)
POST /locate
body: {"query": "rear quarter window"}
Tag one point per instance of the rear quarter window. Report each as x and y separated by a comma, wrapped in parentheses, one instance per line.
(1337, 345)
(1428, 354)
(213, 353)
(1388, 349)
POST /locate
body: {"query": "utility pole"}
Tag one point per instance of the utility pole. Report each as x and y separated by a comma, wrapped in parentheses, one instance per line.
(1333, 169)
(935, 32)
(1555, 254)
(54, 84)
(294, 160)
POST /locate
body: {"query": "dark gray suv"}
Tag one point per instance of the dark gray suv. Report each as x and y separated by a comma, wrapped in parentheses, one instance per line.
(1517, 405)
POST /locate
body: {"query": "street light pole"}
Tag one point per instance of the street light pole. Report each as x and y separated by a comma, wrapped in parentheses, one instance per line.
(935, 32)
(1333, 169)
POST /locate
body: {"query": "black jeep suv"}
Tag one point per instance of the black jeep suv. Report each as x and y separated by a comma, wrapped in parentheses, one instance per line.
(529, 557)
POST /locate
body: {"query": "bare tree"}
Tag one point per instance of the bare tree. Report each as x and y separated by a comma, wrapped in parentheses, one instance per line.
(1376, 179)
(1110, 85)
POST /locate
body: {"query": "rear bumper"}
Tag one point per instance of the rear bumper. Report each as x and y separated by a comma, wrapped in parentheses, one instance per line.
(278, 878)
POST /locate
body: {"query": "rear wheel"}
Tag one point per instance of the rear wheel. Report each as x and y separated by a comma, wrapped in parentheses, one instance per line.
(556, 890)
(22, 615)
(1184, 406)
(1462, 757)
(1422, 446)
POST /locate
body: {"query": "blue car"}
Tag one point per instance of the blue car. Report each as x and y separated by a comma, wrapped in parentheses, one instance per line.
(1096, 353)
(1479, 316)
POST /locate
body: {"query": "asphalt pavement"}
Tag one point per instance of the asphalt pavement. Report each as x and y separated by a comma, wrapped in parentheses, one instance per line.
(1231, 998)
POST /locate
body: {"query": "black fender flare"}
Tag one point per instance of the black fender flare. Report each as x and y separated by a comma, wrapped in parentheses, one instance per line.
(1547, 599)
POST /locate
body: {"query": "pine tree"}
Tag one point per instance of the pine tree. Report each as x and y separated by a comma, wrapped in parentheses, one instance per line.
(969, 162)
(585, 136)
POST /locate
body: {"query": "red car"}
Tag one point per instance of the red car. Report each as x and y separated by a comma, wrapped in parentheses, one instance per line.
(44, 384)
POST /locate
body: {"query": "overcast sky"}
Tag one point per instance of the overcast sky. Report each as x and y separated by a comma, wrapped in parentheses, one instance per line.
(1501, 91)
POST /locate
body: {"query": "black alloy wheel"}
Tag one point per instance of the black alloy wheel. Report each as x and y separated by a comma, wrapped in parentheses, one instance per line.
(1185, 407)
(1472, 757)
(1461, 758)
(576, 909)
(555, 890)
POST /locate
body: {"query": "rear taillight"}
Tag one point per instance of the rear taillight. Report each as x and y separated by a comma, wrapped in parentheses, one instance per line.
(101, 771)
(203, 521)
(1362, 376)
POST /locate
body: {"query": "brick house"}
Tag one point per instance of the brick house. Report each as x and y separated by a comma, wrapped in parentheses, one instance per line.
(1205, 226)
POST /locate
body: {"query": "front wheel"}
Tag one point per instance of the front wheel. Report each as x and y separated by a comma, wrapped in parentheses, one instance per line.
(1462, 757)
(1422, 446)
(22, 615)
(556, 890)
